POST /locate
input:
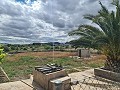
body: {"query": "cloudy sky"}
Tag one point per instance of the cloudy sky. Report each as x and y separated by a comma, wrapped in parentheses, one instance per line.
(28, 21)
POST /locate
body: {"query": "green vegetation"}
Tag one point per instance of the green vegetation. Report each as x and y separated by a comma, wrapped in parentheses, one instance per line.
(2, 55)
(35, 47)
(106, 38)
(22, 67)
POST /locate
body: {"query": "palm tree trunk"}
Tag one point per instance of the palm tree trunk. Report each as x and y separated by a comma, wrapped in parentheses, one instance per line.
(112, 65)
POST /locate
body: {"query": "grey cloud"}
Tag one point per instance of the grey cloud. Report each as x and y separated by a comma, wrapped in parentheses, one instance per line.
(16, 24)
(59, 23)
(52, 21)
(8, 8)
(67, 5)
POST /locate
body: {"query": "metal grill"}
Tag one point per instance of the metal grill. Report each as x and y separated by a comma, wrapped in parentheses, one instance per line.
(49, 68)
(94, 83)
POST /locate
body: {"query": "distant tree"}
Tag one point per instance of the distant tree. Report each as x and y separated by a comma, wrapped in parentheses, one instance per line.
(25, 48)
(61, 48)
(33, 48)
(6, 48)
(47, 47)
(17, 48)
(12, 47)
(57, 47)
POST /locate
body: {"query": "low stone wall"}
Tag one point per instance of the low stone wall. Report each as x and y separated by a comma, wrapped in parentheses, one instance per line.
(107, 74)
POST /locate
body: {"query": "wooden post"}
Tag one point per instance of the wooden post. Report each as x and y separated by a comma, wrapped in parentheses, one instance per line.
(4, 75)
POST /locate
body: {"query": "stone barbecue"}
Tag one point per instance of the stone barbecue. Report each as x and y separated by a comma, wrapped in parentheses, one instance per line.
(46, 76)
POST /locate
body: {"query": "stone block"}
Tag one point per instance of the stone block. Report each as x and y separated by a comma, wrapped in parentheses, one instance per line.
(107, 74)
(44, 79)
(63, 85)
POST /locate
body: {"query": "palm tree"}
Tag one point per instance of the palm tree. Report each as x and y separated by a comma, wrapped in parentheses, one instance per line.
(105, 38)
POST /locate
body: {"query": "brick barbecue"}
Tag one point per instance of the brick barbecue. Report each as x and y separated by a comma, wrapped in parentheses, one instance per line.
(46, 75)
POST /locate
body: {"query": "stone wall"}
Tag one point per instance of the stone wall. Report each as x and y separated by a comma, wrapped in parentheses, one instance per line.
(107, 74)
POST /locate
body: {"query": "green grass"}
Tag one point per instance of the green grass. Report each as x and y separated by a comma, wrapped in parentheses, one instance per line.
(22, 68)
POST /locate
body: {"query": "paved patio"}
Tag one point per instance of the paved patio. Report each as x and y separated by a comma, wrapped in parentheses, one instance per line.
(85, 77)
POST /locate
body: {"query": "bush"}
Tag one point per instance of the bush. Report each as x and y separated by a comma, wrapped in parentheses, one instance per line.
(2, 55)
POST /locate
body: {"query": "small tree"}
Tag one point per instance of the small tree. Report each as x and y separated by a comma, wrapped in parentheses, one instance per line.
(2, 55)
(47, 47)
(2, 79)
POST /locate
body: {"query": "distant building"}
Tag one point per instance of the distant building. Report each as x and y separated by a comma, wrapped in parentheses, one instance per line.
(83, 53)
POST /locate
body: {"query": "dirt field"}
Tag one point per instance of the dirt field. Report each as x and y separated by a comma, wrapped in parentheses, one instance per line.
(56, 54)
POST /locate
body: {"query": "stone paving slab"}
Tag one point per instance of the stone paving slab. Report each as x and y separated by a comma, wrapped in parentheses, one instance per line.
(88, 81)
(81, 75)
(18, 85)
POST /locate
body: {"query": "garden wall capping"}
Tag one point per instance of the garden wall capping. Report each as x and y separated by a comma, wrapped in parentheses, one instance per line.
(107, 74)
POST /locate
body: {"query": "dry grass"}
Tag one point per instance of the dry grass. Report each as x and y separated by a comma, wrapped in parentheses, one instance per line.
(57, 54)
(96, 61)
(20, 66)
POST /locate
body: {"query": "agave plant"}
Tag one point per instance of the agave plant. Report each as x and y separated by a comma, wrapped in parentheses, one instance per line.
(105, 38)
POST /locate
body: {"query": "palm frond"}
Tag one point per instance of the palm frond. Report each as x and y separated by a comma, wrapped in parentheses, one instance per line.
(89, 17)
(104, 11)
(115, 2)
